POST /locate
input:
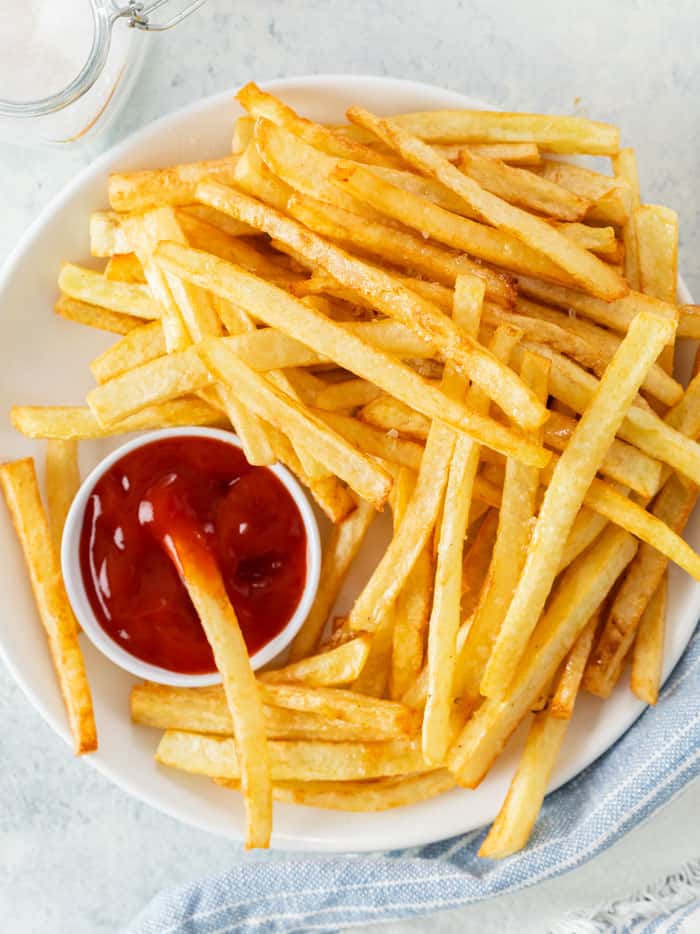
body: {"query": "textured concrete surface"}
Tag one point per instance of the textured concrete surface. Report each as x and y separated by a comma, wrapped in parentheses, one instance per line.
(76, 854)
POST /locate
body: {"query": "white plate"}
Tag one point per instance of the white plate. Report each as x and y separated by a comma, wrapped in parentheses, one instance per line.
(44, 360)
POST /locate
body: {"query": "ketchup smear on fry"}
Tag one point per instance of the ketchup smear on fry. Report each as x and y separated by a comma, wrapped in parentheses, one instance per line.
(243, 515)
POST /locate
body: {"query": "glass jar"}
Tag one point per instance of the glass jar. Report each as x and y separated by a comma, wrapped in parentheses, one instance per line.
(66, 66)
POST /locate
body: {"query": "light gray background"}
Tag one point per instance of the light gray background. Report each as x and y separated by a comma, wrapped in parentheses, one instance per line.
(76, 854)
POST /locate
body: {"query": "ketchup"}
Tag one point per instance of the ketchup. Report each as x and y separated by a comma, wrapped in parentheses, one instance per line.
(242, 515)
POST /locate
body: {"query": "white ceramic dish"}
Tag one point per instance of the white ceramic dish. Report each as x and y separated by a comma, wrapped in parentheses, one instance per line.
(75, 586)
(44, 360)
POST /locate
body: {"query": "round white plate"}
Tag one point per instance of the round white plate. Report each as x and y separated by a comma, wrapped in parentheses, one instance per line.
(43, 360)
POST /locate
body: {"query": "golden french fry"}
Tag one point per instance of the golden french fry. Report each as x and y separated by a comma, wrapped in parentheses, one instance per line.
(610, 196)
(515, 525)
(286, 414)
(372, 441)
(205, 586)
(550, 133)
(124, 267)
(260, 104)
(587, 270)
(391, 297)
(648, 653)
(582, 589)
(215, 219)
(673, 507)
(93, 316)
(337, 666)
(141, 345)
(204, 710)
(565, 494)
(523, 188)
(625, 167)
(657, 238)
(106, 236)
(600, 240)
(332, 340)
(137, 191)
(379, 795)
(566, 690)
(89, 286)
(62, 483)
(512, 828)
(294, 760)
(346, 395)
(19, 484)
(74, 423)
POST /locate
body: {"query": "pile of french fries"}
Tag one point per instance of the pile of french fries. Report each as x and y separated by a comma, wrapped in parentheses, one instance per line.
(435, 313)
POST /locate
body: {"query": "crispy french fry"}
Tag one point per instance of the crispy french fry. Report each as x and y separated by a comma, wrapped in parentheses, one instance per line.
(215, 219)
(567, 489)
(346, 395)
(89, 286)
(141, 345)
(379, 795)
(204, 710)
(512, 828)
(610, 196)
(335, 342)
(19, 484)
(294, 760)
(106, 236)
(62, 483)
(124, 267)
(373, 441)
(648, 653)
(261, 104)
(445, 616)
(600, 240)
(550, 133)
(673, 507)
(286, 414)
(657, 237)
(475, 565)
(93, 316)
(74, 423)
(390, 297)
(254, 177)
(137, 191)
(582, 589)
(523, 188)
(206, 588)
(565, 693)
(515, 526)
(625, 167)
(338, 666)
(586, 269)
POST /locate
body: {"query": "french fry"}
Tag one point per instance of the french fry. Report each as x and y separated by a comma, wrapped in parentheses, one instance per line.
(346, 395)
(397, 451)
(342, 547)
(215, 219)
(610, 196)
(294, 760)
(106, 236)
(673, 507)
(600, 240)
(586, 528)
(19, 484)
(445, 616)
(567, 489)
(523, 188)
(93, 316)
(161, 380)
(515, 525)
(587, 270)
(648, 653)
(331, 340)
(581, 590)
(397, 246)
(62, 483)
(74, 423)
(205, 586)
(379, 795)
(513, 825)
(89, 286)
(124, 267)
(657, 258)
(625, 167)
(138, 191)
(260, 104)
(411, 536)
(336, 667)
(390, 297)
(254, 177)
(550, 133)
(286, 414)
(204, 710)
(566, 690)
(141, 345)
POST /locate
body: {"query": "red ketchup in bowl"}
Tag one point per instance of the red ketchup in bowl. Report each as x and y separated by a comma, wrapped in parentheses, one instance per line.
(243, 515)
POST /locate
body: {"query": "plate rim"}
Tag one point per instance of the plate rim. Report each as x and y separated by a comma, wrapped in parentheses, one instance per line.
(408, 835)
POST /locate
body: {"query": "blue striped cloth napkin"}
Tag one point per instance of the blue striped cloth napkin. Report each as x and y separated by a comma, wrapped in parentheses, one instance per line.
(650, 765)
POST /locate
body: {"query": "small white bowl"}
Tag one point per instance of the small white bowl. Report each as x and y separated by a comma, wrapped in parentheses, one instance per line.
(75, 587)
